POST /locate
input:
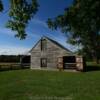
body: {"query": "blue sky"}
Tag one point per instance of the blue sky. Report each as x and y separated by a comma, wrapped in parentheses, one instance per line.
(36, 28)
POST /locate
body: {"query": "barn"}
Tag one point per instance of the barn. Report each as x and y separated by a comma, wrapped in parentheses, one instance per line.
(49, 54)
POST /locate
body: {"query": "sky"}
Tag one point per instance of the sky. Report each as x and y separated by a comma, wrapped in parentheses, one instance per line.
(37, 27)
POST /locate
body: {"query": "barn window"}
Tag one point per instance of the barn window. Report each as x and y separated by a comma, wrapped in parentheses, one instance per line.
(43, 62)
(43, 45)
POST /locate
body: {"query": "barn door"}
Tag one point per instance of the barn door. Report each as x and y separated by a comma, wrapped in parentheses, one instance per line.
(80, 64)
(43, 62)
(60, 63)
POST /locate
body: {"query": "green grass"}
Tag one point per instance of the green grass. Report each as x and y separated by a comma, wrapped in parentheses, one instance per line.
(29, 84)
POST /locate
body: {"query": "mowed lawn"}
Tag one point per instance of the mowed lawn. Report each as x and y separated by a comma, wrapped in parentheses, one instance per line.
(32, 84)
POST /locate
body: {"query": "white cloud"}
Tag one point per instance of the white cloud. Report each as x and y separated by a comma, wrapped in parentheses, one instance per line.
(33, 35)
(40, 22)
(13, 50)
(6, 31)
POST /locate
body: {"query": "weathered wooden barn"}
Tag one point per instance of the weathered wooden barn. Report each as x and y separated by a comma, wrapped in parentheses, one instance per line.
(49, 54)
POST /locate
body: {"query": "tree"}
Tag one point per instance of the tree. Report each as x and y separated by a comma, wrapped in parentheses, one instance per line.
(20, 12)
(81, 23)
(1, 6)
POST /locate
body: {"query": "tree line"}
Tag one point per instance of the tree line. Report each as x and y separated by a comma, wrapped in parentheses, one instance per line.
(14, 59)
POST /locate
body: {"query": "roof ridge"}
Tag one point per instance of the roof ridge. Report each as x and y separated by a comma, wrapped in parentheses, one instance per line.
(55, 41)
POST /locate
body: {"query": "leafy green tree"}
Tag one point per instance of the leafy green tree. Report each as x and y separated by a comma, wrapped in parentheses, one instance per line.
(81, 23)
(20, 12)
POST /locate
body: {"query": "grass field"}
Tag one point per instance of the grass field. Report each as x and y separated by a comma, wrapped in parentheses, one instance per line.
(49, 85)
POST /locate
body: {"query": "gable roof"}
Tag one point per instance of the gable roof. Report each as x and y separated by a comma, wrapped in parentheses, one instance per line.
(55, 42)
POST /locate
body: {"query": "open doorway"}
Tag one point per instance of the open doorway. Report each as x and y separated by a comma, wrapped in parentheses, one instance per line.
(69, 62)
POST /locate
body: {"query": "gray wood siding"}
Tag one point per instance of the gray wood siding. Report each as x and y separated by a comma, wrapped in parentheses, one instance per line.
(52, 53)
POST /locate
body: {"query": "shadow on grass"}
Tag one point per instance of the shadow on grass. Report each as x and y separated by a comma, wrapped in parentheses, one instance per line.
(92, 68)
